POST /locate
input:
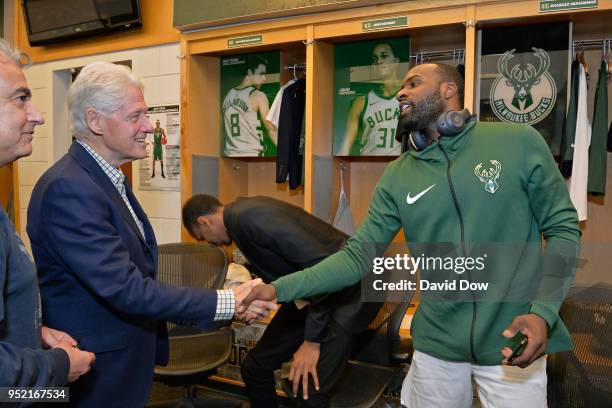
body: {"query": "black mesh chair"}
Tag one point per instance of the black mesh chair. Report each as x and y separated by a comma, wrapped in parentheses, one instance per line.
(583, 377)
(194, 354)
(375, 362)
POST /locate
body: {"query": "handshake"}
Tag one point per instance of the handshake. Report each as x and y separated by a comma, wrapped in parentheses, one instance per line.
(254, 300)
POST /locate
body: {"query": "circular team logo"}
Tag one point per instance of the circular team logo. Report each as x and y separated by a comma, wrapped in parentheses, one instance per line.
(523, 94)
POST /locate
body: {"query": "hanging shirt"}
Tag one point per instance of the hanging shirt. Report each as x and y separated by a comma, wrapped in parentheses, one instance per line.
(598, 156)
(566, 154)
(378, 123)
(275, 108)
(289, 156)
(580, 165)
(243, 134)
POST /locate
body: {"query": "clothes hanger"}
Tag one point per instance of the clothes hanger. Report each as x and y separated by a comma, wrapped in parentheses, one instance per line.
(583, 61)
(341, 167)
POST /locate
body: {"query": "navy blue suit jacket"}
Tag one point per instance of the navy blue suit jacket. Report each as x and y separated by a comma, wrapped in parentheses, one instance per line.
(97, 281)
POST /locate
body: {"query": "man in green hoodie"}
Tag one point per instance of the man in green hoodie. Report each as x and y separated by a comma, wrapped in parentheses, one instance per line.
(493, 185)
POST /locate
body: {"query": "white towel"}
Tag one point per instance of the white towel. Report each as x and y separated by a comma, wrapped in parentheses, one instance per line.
(344, 217)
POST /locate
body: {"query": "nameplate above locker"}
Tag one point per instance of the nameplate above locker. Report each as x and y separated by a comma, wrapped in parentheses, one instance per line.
(245, 41)
(385, 23)
(547, 6)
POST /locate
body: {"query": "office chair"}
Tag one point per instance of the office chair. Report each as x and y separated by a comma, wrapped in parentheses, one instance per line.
(583, 377)
(194, 354)
(375, 361)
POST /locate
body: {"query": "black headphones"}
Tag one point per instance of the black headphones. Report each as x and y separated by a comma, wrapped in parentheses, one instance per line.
(449, 124)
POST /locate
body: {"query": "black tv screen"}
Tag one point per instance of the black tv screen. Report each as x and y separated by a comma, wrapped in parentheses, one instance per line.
(51, 21)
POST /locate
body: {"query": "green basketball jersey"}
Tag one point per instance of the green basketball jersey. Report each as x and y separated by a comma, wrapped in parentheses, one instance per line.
(157, 137)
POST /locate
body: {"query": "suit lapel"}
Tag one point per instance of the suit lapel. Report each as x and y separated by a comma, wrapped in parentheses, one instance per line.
(84, 159)
(146, 225)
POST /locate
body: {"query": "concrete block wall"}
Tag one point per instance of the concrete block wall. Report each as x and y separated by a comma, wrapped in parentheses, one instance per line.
(159, 69)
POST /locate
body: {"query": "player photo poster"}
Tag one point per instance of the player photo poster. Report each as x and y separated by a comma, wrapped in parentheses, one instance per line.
(161, 169)
(249, 84)
(367, 75)
(524, 77)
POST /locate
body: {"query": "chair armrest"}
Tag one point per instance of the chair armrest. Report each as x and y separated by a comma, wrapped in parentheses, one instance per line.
(402, 352)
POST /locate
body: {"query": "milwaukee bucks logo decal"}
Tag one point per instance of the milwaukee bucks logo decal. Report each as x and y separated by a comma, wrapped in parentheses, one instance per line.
(489, 175)
(523, 93)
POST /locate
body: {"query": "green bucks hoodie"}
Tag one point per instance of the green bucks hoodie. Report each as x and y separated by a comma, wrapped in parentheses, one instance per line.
(493, 184)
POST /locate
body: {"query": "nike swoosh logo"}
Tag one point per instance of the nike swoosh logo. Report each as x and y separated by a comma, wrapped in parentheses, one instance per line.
(412, 200)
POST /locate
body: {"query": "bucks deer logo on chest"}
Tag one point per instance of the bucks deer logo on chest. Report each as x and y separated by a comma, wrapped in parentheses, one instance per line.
(489, 175)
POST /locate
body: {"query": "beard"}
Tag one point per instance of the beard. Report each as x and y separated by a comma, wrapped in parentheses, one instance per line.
(423, 114)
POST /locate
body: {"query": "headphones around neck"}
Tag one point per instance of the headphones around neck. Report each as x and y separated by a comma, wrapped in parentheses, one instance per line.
(449, 124)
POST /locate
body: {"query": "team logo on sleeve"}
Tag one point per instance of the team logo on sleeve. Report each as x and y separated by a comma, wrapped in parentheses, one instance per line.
(489, 175)
(523, 93)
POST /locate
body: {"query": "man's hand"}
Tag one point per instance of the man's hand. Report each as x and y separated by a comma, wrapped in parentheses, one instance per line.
(535, 329)
(52, 337)
(305, 362)
(259, 292)
(80, 361)
(245, 288)
(256, 309)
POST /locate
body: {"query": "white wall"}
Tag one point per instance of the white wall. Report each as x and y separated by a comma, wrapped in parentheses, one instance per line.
(159, 69)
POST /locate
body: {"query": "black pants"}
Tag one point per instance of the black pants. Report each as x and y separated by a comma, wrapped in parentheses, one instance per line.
(282, 338)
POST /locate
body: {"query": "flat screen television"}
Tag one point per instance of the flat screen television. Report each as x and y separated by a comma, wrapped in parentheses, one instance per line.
(52, 21)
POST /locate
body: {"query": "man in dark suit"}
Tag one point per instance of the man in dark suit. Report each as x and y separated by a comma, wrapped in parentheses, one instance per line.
(278, 239)
(96, 251)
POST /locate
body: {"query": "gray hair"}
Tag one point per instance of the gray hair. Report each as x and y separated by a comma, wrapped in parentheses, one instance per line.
(101, 86)
(21, 59)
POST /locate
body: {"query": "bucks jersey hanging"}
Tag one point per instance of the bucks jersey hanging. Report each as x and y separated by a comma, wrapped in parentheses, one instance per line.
(243, 133)
(378, 123)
